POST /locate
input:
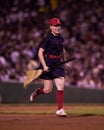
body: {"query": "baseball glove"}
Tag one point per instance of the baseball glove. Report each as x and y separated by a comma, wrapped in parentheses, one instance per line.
(32, 75)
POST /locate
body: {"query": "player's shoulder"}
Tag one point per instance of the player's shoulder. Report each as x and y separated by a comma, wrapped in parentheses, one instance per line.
(51, 36)
(47, 37)
(61, 37)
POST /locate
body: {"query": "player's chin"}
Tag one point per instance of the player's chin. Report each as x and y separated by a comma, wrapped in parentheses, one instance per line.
(57, 32)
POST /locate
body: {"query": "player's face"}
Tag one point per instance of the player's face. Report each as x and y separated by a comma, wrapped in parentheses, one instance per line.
(55, 29)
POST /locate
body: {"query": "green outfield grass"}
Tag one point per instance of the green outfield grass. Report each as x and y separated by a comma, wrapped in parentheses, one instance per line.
(89, 110)
(71, 109)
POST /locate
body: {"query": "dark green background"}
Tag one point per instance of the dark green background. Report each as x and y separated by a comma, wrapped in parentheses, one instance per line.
(15, 93)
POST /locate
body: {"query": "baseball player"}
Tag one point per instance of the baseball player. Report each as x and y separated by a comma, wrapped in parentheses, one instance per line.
(51, 51)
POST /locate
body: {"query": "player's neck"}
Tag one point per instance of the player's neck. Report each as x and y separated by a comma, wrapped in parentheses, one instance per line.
(55, 34)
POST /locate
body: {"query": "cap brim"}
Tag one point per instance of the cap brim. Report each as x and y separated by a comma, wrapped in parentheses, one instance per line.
(55, 24)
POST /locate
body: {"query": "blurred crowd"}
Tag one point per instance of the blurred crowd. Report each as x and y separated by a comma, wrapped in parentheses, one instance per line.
(23, 24)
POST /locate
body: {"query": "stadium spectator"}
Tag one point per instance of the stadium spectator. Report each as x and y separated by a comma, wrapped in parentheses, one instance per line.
(21, 31)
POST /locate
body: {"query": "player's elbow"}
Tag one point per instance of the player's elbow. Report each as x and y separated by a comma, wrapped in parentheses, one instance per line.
(40, 52)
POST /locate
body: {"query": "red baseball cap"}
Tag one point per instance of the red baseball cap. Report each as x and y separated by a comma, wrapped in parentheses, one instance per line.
(54, 21)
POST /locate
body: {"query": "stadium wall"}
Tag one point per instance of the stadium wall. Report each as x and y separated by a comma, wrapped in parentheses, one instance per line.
(15, 93)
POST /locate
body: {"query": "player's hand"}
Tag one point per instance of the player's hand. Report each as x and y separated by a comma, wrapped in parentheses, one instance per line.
(67, 66)
(45, 68)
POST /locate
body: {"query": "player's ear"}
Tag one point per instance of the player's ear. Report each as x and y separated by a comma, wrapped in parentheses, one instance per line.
(51, 27)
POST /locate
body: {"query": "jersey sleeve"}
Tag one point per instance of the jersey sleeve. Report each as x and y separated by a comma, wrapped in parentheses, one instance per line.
(44, 43)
